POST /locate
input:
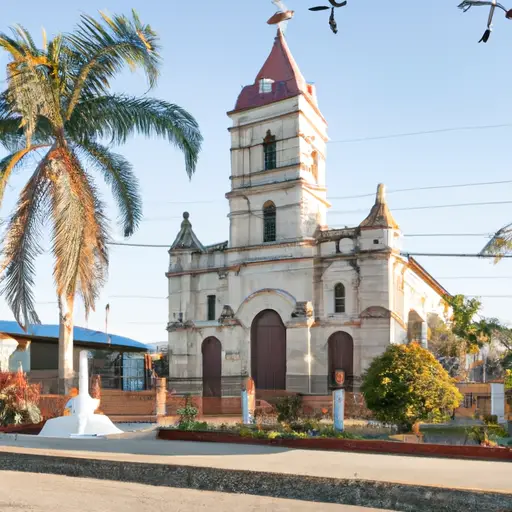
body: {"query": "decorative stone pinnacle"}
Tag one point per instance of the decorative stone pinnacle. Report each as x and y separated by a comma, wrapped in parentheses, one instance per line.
(381, 193)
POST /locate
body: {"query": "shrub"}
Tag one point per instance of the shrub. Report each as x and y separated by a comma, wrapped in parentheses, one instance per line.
(407, 384)
(18, 400)
(329, 431)
(188, 414)
(306, 425)
(490, 419)
(486, 435)
(288, 408)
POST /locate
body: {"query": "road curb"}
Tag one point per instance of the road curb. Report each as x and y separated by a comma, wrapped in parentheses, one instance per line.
(361, 493)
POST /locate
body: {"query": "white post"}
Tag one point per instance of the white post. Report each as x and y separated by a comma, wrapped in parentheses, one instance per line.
(83, 383)
(83, 392)
(338, 409)
(498, 401)
(245, 408)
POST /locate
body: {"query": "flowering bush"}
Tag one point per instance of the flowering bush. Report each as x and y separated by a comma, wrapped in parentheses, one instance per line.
(406, 384)
(18, 400)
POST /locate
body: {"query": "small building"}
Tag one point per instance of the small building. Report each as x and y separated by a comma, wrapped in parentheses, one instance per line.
(121, 362)
(287, 299)
(484, 399)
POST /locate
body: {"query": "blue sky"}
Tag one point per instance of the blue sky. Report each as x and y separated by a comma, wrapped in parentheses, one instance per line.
(394, 67)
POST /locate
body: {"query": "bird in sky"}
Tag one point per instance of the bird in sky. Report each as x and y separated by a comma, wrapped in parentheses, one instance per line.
(332, 20)
(467, 4)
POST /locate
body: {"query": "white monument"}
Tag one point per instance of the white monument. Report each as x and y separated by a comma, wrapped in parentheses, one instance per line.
(82, 422)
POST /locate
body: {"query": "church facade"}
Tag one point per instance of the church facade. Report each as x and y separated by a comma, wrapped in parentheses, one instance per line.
(287, 300)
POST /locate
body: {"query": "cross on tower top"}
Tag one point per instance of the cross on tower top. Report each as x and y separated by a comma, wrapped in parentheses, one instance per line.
(282, 16)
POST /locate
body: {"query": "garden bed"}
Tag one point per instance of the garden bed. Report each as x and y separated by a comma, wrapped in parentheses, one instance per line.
(23, 429)
(351, 445)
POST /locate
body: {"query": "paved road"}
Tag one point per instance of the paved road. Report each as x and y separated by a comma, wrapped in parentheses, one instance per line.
(462, 474)
(27, 492)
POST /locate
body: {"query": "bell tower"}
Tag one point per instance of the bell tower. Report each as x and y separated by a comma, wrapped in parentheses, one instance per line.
(278, 146)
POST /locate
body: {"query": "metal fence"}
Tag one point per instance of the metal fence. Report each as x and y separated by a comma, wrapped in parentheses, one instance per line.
(231, 386)
(56, 386)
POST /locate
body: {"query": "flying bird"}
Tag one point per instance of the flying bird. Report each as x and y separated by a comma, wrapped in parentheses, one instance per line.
(467, 4)
(282, 16)
(332, 20)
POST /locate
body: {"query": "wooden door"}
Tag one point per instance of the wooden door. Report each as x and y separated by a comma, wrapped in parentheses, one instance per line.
(340, 354)
(212, 367)
(268, 351)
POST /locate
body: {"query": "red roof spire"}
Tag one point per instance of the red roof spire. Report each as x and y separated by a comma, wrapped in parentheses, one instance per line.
(281, 68)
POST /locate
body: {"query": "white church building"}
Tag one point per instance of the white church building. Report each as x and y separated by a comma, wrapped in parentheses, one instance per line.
(287, 300)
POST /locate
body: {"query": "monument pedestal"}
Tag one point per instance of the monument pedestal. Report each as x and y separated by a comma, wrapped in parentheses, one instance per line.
(82, 422)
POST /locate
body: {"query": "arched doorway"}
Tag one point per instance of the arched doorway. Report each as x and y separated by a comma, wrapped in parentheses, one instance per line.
(340, 348)
(414, 327)
(212, 367)
(268, 351)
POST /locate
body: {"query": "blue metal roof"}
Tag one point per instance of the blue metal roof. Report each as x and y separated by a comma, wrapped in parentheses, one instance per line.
(80, 334)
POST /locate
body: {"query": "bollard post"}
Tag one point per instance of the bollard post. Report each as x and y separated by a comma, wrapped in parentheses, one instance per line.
(161, 396)
(338, 409)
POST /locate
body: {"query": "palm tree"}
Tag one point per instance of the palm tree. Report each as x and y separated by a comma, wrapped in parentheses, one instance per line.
(57, 108)
(500, 244)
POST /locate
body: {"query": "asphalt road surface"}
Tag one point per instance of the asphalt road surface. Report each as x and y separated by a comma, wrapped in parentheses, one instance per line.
(28, 492)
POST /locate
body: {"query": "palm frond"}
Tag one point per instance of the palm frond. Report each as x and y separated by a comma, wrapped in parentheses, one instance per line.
(93, 261)
(118, 116)
(9, 164)
(21, 246)
(25, 37)
(105, 48)
(119, 175)
(30, 92)
(79, 230)
(500, 244)
(13, 46)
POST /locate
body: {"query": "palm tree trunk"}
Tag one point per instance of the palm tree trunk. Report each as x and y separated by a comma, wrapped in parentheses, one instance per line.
(66, 372)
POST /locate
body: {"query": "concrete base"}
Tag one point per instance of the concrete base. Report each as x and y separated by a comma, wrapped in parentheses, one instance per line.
(67, 426)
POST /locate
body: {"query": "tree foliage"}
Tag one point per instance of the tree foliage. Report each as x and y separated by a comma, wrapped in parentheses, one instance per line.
(407, 384)
(474, 332)
(18, 400)
(58, 110)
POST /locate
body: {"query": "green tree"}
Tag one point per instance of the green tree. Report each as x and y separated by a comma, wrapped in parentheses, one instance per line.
(447, 348)
(58, 109)
(475, 333)
(406, 384)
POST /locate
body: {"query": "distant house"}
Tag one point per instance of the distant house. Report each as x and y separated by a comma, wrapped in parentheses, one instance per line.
(121, 362)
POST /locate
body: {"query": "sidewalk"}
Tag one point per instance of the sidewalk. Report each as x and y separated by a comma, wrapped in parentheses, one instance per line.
(378, 480)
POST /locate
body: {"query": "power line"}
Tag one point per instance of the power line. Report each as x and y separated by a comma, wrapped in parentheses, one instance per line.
(361, 210)
(422, 132)
(123, 244)
(136, 297)
(489, 296)
(413, 235)
(427, 207)
(453, 255)
(370, 194)
(474, 277)
(432, 187)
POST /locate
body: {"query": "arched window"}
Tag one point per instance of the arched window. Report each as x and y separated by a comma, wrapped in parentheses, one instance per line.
(339, 298)
(270, 151)
(269, 222)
